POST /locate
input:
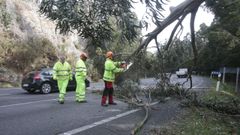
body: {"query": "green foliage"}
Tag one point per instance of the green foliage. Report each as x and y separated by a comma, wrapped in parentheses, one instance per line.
(201, 122)
(127, 89)
(222, 102)
(227, 14)
(180, 53)
(109, 25)
(5, 17)
(120, 49)
(225, 101)
(6, 46)
(211, 113)
(5, 85)
(98, 65)
(217, 45)
(216, 48)
(143, 66)
(222, 49)
(23, 56)
(223, 36)
(8, 78)
(91, 19)
(120, 52)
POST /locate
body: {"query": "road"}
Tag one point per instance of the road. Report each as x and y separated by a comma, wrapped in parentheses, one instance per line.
(27, 114)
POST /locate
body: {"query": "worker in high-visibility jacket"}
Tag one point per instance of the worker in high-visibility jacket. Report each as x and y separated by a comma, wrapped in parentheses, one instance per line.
(62, 73)
(110, 69)
(80, 75)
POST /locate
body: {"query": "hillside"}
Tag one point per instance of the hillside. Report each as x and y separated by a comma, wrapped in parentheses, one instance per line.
(26, 22)
(29, 41)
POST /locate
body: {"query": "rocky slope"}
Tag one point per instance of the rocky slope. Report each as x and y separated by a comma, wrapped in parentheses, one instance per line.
(21, 23)
(27, 22)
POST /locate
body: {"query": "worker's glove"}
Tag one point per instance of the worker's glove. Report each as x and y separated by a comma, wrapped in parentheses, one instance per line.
(123, 66)
(123, 62)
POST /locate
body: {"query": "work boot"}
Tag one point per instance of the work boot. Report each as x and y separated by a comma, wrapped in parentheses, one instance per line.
(113, 103)
(82, 101)
(60, 102)
(103, 103)
(111, 100)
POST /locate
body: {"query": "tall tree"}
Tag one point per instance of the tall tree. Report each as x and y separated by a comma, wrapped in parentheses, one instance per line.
(227, 14)
(92, 19)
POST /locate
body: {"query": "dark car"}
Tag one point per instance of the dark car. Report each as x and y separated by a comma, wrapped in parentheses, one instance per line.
(42, 80)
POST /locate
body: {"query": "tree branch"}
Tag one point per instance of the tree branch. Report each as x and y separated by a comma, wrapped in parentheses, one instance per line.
(139, 126)
(174, 31)
(186, 7)
(193, 15)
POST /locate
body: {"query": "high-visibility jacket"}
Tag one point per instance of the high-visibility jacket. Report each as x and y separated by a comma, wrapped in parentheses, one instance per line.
(110, 68)
(81, 70)
(62, 71)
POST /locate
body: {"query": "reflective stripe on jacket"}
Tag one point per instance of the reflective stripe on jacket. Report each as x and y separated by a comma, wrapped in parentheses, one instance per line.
(110, 68)
(62, 71)
(81, 70)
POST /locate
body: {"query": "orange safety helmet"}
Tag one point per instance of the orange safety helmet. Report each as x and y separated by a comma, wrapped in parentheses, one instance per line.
(83, 55)
(109, 54)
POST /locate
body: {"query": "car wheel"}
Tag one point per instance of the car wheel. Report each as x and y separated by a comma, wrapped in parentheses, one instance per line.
(46, 88)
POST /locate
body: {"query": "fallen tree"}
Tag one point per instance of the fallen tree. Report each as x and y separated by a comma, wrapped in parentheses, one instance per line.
(82, 16)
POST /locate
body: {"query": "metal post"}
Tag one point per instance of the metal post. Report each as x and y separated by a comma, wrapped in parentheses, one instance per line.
(218, 82)
(224, 71)
(237, 77)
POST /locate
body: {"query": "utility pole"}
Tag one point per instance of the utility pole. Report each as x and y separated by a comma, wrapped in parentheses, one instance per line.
(224, 72)
(237, 77)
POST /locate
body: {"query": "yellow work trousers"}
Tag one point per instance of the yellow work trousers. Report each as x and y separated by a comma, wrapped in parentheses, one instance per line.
(80, 89)
(62, 87)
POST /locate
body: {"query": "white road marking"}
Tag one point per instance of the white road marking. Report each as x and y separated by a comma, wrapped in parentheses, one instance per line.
(27, 103)
(14, 88)
(101, 122)
(113, 110)
(5, 94)
(11, 105)
(200, 87)
(78, 130)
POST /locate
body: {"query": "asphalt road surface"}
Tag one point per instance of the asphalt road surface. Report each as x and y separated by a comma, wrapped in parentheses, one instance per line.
(37, 114)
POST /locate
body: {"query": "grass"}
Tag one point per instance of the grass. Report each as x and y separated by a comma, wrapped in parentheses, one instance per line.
(202, 122)
(8, 85)
(208, 120)
(225, 88)
(227, 97)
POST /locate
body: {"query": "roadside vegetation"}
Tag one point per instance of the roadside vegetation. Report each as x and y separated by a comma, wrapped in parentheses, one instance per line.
(6, 85)
(211, 113)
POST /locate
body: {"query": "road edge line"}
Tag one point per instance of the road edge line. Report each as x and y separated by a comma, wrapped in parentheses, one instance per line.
(86, 127)
(26, 103)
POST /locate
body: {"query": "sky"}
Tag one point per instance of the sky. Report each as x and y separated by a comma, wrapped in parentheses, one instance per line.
(201, 17)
